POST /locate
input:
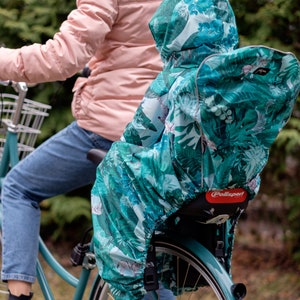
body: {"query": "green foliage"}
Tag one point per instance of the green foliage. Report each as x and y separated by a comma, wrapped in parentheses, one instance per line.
(24, 22)
(65, 216)
(286, 150)
(31, 21)
(288, 140)
(273, 23)
(276, 24)
(293, 235)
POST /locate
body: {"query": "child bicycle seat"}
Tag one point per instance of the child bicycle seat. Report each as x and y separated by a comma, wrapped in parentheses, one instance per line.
(216, 206)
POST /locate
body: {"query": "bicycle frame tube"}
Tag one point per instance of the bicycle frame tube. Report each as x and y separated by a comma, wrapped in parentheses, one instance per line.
(10, 157)
(10, 153)
(210, 261)
(45, 288)
(79, 284)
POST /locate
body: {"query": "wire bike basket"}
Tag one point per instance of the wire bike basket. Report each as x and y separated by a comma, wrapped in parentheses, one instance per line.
(30, 119)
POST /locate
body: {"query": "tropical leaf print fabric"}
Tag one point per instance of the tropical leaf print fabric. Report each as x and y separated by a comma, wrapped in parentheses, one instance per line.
(206, 122)
(245, 102)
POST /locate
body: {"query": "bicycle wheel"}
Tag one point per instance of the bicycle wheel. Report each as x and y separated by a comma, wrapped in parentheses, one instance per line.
(188, 273)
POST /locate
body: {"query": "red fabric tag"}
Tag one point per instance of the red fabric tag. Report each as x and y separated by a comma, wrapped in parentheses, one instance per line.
(237, 195)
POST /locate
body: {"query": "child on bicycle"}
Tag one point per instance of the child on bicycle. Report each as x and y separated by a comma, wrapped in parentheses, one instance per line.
(206, 123)
(113, 38)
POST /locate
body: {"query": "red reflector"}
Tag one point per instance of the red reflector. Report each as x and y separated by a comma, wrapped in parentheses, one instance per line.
(226, 196)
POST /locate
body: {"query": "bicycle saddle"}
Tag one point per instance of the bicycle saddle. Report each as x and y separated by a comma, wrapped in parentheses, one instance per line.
(96, 155)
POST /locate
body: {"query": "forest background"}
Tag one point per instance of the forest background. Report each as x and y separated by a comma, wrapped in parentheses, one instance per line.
(274, 23)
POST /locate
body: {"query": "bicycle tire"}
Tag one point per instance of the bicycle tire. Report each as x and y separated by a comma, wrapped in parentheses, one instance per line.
(212, 281)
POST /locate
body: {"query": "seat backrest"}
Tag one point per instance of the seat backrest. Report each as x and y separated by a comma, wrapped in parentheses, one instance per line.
(246, 96)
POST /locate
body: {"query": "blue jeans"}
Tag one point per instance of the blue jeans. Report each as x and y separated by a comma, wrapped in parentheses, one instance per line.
(57, 166)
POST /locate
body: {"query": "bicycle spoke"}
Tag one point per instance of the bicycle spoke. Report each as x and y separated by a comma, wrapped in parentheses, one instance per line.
(180, 272)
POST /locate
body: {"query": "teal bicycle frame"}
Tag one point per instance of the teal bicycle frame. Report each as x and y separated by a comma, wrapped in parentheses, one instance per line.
(79, 284)
(216, 269)
(10, 152)
(10, 159)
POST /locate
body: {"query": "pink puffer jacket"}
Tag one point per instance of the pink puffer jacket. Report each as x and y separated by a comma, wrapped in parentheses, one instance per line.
(113, 37)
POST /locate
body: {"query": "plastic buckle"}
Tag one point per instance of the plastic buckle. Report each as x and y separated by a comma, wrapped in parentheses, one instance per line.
(150, 272)
(89, 261)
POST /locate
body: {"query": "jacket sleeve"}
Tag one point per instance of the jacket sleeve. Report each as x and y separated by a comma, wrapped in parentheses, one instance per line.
(70, 49)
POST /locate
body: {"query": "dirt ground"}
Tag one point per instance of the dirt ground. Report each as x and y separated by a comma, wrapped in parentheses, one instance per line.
(266, 275)
(260, 260)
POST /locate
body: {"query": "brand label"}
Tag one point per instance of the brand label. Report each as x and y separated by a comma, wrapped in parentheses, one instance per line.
(237, 195)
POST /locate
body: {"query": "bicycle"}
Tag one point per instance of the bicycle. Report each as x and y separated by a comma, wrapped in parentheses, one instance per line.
(203, 259)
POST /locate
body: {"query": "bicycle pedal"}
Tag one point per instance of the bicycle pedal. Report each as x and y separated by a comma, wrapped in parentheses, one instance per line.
(78, 254)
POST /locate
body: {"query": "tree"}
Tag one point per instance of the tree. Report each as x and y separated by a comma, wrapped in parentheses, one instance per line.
(276, 24)
(31, 21)
(273, 23)
(23, 22)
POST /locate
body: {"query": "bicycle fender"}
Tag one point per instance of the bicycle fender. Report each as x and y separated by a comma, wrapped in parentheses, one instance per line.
(210, 262)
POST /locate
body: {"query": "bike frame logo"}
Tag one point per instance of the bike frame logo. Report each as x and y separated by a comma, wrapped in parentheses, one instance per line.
(237, 195)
